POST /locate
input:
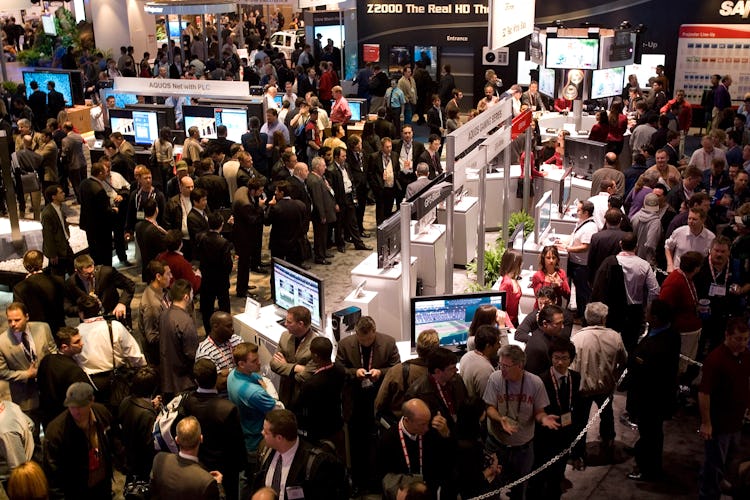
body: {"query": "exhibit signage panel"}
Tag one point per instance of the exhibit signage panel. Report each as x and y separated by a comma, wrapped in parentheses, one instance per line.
(510, 20)
(478, 127)
(168, 87)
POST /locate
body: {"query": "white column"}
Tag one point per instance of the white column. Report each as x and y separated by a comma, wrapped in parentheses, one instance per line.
(110, 19)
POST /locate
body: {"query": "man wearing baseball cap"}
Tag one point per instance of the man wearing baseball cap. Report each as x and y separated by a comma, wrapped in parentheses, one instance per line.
(77, 454)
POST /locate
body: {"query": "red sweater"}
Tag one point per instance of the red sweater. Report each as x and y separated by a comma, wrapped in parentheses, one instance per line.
(676, 292)
(181, 269)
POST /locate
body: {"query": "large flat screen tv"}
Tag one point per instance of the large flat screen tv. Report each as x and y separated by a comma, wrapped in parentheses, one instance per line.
(389, 241)
(358, 107)
(566, 186)
(572, 53)
(543, 217)
(547, 82)
(207, 118)
(121, 120)
(584, 156)
(607, 82)
(145, 127)
(450, 315)
(293, 286)
(63, 83)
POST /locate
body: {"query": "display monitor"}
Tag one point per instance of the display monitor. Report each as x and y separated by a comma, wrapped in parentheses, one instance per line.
(450, 315)
(543, 217)
(207, 118)
(566, 186)
(48, 24)
(235, 120)
(293, 286)
(536, 46)
(572, 53)
(584, 156)
(165, 114)
(63, 83)
(278, 99)
(617, 50)
(389, 241)
(398, 57)
(121, 100)
(176, 29)
(646, 69)
(145, 127)
(121, 120)
(607, 82)
(523, 75)
(428, 55)
(358, 107)
(547, 81)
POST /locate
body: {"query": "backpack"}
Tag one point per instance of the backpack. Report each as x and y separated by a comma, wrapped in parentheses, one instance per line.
(337, 478)
(165, 425)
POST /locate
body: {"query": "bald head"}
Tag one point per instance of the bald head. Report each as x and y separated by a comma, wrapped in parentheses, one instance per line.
(301, 170)
(265, 494)
(416, 416)
(610, 159)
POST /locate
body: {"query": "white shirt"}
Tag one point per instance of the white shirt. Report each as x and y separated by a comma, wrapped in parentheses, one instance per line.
(601, 204)
(683, 240)
(582, 235)
(96, 355)
(287, 459)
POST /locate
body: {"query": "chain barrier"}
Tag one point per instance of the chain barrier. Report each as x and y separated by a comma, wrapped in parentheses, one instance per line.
(557, 457)
(691, 361)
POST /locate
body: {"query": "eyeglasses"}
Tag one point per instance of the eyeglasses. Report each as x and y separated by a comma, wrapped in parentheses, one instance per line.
(561, 358)
(504, 366)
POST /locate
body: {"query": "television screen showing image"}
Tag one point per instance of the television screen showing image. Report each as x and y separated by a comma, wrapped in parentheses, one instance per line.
(202, 117)
(48, 24)
(428, 55)
(358, 107)
(543, 216)
(145, 127)
(234, 119)
(450, 315)
(292, 286)
(572, 53)
(646, 69)
(583, 156)
(121, 120)
(121, 100)
(523, 75)
(607, 82)
(62, 83)
(547, 81)
(176, 29)
(398, 57)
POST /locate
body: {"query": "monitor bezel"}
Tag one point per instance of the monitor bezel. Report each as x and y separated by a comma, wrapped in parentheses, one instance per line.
(319, 281)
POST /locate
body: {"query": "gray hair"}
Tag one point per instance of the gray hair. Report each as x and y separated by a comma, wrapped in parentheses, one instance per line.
(596, 313)
(422, 169)
(23, 122)
(513, 352)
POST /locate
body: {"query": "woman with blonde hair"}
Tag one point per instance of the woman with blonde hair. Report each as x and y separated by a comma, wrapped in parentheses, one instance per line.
(28, 482)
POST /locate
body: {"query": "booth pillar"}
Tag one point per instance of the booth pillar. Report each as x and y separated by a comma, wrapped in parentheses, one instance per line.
(110, 20)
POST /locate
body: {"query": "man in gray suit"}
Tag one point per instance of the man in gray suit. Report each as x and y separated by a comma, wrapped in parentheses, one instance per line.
(182, 476)
(22, 347)
(323, 211)
(72, 155)
(423, 178)
(292, 362)
(178, 341)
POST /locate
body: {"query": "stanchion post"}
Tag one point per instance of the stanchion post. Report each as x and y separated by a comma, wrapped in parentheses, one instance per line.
(405, 212)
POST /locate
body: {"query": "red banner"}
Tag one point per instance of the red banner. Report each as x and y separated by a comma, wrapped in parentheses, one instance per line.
(521, 123)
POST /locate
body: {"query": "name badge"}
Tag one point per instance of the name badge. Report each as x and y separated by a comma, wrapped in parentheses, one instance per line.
(140, 215)
(717, 290)
(294, 493)
(566, 419)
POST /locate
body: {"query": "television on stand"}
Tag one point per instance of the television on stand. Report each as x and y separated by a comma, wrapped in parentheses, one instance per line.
(293, 286)
(389, 241)
(584, 156)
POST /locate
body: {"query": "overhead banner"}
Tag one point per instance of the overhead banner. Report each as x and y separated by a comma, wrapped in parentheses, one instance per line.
(309, 4)
(168, 87)
(510, 20)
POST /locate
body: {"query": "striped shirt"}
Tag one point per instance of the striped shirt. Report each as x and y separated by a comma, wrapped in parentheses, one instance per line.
(220, 354)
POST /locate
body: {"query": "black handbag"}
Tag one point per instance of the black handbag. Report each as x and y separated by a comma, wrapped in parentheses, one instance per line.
(120, 378)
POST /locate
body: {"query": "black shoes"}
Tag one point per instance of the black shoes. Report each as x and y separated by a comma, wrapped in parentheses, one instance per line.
(341, 249)
(329, 255)
(323, 262)
(362, 246)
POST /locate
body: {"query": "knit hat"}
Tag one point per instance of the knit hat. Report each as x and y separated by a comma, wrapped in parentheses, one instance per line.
(651, 203)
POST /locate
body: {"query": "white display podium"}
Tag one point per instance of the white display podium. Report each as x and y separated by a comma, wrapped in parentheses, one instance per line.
(495, 186)
(368, 303)
(387, 282)
(580, 188)
(560, 121)
(465, 221)
(429, 249)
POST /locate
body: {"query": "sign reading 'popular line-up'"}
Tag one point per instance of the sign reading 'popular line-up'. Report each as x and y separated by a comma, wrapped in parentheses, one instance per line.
(167, 87)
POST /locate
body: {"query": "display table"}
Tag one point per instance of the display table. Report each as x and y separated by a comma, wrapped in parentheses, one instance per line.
(368, 303)
(387, 282)
(560, 121)
(580, 189)
(495, 186)
(429, 249)
(532, 250)
(465, 221)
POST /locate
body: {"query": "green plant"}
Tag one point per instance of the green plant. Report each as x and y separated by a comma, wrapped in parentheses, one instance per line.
(10, 87)
(492, 258)
(520, 217)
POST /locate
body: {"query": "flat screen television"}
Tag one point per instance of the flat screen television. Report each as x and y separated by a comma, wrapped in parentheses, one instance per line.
(145, 127)
(566, 186)
(583, 156)
(293, 286)
(428, 55)
(607, 82)
(543, 217)
(165, 113)
(523, 74)
(398, 57)
(389, 241)
(572, 53)
(176, 28)
(536, 46)
(63, 83)
(48, 24)
(450, 315)
(358, 107)
(121, 100)
(646, 69)
(234, 119)
(121, 120)
(207, 118)
(547, 81)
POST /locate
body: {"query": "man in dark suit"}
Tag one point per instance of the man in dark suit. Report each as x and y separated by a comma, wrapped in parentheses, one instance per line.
(197, 219)
(606, 242)
(292, 362)
(182, 477)
(57, 371)
(287, 220)
(215, 186)
(42, 294)
(72, 156)
(436, 117)
(178, 341)
(38, 104)
(138, 197)
(383, 127)
(150, 237)
(223, 446)
(340, 178)
(323, 209)
(55, 233)
(357, 162)
(280, 434)
(136, 415)
(55, 100)
(431, 156)
(247, 234)
(113, 289)
(215, 256)
(177, 210)
(407, 151)
(97, 215)
(366, 356)
(423, 170)
(383, 179)
(121, 163)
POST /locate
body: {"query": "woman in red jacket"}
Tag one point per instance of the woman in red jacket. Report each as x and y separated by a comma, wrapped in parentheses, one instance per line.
(618, 124)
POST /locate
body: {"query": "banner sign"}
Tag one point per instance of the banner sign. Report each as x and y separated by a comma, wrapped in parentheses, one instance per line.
(495, 143)
(478, 127)
(521, 123)
(168, 87)
(510, 20)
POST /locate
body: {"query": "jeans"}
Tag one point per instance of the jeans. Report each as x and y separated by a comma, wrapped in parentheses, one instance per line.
(717, 451)
(517, 461)
(578, 275)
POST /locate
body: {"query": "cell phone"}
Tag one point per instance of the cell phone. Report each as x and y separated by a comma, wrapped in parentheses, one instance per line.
(368, 374)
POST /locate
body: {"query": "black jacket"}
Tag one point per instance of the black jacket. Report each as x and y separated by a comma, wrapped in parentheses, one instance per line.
(110, 285)
(43, 295)
(137, 416)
